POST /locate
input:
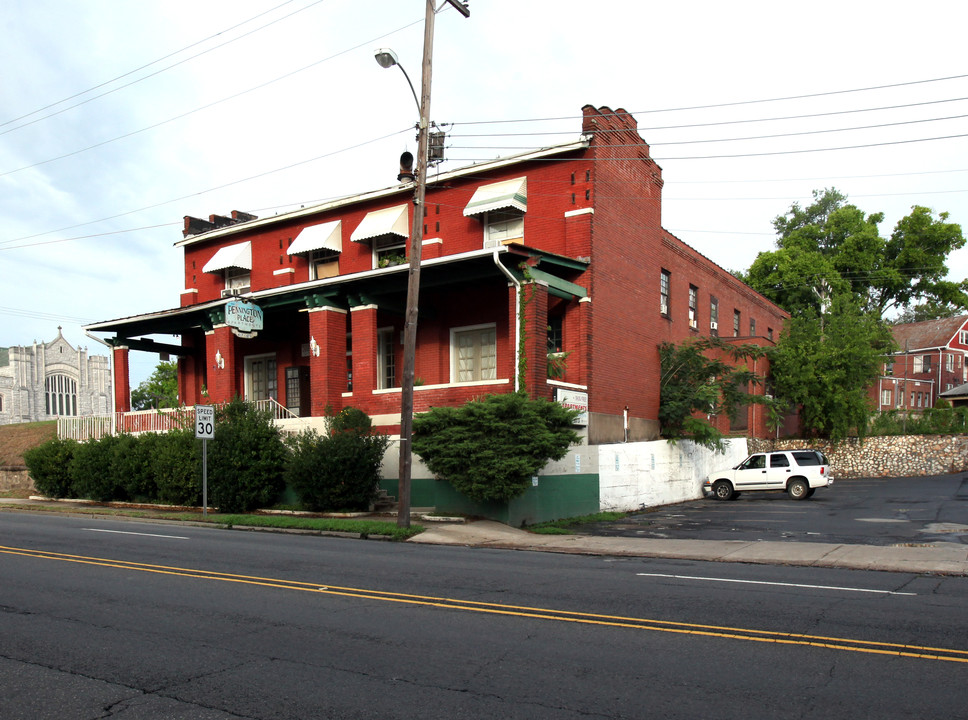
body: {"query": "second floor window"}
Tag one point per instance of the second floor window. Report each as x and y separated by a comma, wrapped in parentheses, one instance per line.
(693, 306)
(665, 279)
(736, 322)
(714, 317)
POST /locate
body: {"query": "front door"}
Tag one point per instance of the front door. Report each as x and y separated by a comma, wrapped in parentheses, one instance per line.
(261, 382)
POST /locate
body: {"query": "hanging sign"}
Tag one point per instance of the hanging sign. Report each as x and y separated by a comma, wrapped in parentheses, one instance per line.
(243, 317)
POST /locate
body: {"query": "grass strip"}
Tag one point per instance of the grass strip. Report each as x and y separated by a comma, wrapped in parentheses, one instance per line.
(565, 526)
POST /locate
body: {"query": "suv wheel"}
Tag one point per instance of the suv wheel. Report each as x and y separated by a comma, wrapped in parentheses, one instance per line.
(722, 490)
(798, 489)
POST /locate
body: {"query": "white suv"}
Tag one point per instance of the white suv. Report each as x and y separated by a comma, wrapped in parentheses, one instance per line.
(798, 472)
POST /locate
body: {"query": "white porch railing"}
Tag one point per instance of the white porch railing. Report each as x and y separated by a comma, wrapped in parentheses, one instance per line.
(157, 421)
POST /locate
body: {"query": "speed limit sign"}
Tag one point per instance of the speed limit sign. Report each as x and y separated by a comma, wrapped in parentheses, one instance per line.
(205, 422)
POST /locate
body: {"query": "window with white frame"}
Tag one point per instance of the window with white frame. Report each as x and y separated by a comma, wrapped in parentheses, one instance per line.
(665, 280)
(386, 360)
(917, 364)
(713, 317)
(737, 321)
(752, 327)
(237, 279)
(261, 382)
(693, 306)
(474, 353)
(388, 251)
(323, 264)
(885, 397)
(501, 226)
(949, 362)
(963, 337)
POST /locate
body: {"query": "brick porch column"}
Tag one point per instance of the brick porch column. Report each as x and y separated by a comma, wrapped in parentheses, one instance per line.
(224, 382)
(363, 321)
(535, 301)
(122, 380)
(327, 371)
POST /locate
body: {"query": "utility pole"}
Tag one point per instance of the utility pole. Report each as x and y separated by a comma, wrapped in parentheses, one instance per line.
(413, 280)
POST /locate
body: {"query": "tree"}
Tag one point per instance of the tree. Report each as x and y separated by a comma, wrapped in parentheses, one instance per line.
(832, 247)
(826, 364)
(158, 391)
(693, 384)
(489, 449)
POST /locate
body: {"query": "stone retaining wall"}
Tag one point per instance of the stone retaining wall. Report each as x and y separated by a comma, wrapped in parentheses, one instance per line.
(15, 479)
(884, 456)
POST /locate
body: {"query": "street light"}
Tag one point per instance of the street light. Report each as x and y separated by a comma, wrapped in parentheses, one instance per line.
(387, 58)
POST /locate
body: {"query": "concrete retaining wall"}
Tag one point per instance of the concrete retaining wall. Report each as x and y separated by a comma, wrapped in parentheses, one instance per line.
(887, 456)
(15, 479)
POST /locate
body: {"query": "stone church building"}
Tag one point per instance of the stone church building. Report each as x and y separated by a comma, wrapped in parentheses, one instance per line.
(45, 381)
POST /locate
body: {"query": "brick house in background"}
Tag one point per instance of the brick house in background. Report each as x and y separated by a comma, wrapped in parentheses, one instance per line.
(930, 361)
(560, 249)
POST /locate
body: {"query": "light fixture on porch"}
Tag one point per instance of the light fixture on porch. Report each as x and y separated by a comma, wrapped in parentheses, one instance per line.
(219, 360)
(313, 346)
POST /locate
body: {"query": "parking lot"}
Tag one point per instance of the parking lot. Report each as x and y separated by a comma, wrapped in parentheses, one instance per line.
(883, 511)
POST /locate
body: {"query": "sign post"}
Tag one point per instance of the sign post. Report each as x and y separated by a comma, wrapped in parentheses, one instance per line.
(205, 429)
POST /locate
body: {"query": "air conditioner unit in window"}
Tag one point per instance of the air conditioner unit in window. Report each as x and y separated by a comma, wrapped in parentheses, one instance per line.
(693, 324)
(234, 292)
(714, 326)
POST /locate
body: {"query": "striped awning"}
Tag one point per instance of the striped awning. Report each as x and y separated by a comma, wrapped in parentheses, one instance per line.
(233, 256)
(328, 236)
(499, 196)
(389, 221)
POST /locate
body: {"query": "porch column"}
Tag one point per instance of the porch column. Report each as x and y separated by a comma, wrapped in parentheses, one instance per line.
(122, 379)
(583, 348)
(363, 321)
(535, 301)
(327, 371)
(224, 376)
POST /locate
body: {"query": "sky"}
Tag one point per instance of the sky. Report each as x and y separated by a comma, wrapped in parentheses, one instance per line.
(119, 118)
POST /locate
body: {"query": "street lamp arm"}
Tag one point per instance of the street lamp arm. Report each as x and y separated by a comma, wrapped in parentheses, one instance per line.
(411, 87)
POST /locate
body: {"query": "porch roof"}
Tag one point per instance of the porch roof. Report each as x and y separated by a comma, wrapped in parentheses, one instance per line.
(385, 286)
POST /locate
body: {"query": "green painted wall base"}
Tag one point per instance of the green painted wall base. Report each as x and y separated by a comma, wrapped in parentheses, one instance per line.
(555, 497)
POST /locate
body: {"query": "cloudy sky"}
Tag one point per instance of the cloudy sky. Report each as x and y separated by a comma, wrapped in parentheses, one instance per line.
(118, 118)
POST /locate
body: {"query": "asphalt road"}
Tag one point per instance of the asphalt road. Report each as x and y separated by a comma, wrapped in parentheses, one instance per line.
(884, 511)
(108, 619)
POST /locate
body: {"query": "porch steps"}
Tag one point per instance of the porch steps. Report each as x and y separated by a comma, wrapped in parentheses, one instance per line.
(383, 502)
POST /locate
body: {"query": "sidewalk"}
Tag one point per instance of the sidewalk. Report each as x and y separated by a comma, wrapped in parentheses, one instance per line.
(936, 558)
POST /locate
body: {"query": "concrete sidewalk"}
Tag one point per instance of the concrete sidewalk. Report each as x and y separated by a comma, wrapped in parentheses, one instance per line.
(935, 558)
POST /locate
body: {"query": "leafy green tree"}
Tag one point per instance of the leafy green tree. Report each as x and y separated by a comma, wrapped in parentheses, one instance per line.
(158, 391)
(826, 364)
(489, 449)
(706, 376)
(926, 311)
(246, 458)
(341, 469)
(832, 247)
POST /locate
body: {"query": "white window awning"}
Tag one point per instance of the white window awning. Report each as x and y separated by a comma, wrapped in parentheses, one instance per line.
(389, 221)
(233, 256)
(328, 236)
(499, 196)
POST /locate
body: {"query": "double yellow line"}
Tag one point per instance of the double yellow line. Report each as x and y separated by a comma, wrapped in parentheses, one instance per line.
(732, 633)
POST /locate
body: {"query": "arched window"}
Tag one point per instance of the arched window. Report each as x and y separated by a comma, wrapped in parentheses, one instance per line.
(61, 395)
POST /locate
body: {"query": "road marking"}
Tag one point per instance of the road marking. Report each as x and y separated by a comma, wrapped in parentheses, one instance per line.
(724, 632)
(125, 532)
(781, 584)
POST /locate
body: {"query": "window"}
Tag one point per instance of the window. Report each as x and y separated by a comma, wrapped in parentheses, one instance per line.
(388, 251)
(61, 392)
(349, 362)
(474, 354)
(323, 264)
(889, 368)
(665, 279)
(503, 225)
(693, 307)
(912, 399)
(261, 382)
(713, 317)
(927, 363)
(949, 362)
(385, 360)
(769, 333)
(555, 334)
(885, 397)
(752, 327)
(779, 460)
(917, 364)
(736, 322)
(237, 279)
(963, 337)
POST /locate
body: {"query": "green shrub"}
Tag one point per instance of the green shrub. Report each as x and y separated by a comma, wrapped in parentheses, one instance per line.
(91, 470)
(131, 466)
(339, 470)
(49, 466)
(246, 459)
(177, 468)
(489, 449)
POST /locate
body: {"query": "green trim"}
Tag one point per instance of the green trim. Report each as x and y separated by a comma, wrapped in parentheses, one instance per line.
(556, 286)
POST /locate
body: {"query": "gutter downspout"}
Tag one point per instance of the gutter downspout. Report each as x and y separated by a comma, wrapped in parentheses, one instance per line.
(517, 317)
(114, 415)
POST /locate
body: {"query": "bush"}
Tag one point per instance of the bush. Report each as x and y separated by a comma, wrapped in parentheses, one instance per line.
(246, 459)
(177, 468)
(91, 470)
(489, 449)
(131, 466)
(339, 470)
(49, 466)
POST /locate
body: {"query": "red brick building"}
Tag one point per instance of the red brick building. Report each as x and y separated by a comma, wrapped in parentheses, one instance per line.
(931, 360)
(559, 249)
